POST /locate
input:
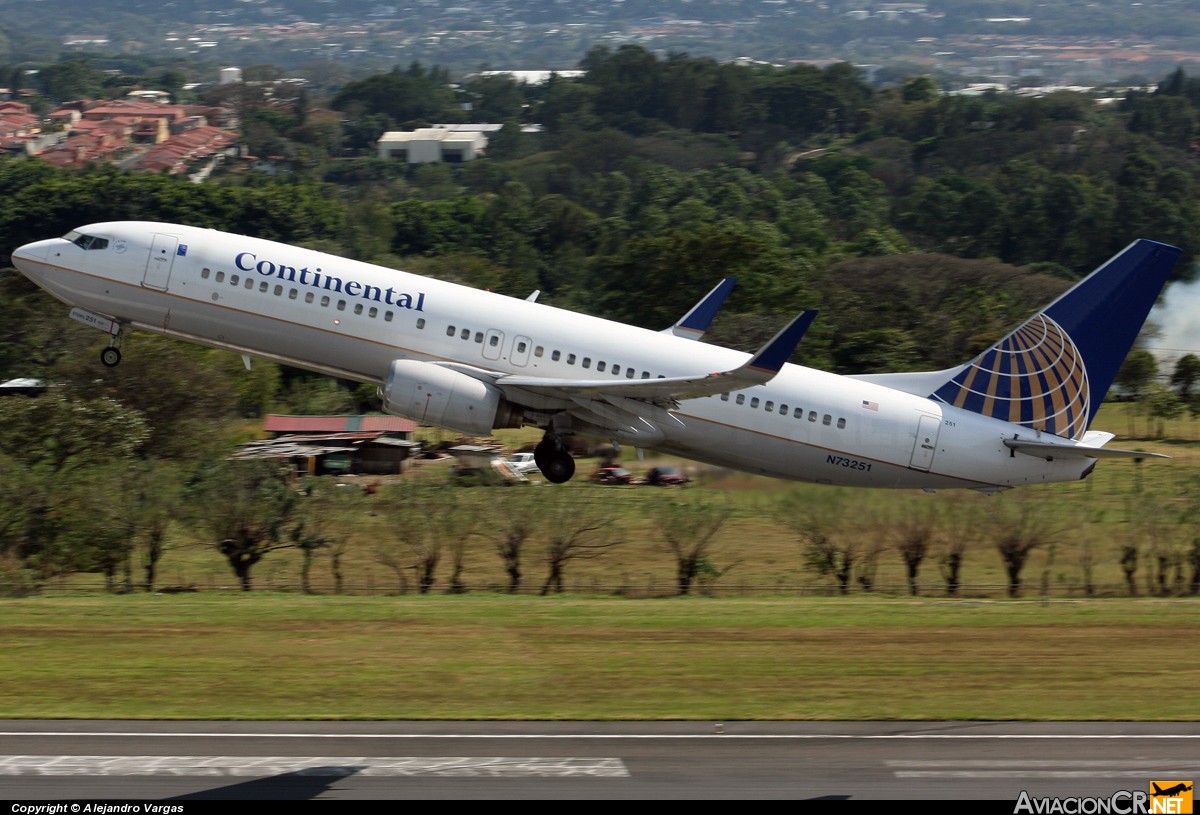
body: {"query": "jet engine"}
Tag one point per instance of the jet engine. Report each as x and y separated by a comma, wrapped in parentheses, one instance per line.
(431, 394)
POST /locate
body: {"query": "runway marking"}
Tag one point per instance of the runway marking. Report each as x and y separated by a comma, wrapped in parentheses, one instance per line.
(339, 766)
(607, 736)
(1019, 768)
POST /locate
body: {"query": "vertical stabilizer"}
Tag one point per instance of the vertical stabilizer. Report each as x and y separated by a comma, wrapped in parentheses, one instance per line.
(1052, 373)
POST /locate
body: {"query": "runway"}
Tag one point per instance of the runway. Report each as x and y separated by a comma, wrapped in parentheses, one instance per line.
(989, 761)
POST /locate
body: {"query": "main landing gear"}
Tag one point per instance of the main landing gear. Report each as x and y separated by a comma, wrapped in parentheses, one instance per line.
(553, 459)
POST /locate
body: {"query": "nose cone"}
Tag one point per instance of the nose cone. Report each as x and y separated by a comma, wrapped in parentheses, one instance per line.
(29, 253)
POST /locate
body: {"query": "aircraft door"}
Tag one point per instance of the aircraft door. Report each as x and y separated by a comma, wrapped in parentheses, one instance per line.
(493, 343)
(520, 351)
(158, 266)
(926, 444)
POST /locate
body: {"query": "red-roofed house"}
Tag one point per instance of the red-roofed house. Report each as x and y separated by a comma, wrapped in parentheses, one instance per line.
(318, 445)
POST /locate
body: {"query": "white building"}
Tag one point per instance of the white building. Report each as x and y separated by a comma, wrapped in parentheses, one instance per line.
(453, 143)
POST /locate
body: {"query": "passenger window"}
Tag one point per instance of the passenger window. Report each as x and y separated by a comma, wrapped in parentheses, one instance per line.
(724, 397)
(587, 362)
(538, 351)
(233, 280)
(812, 415)
(841, 424)
(645, 374)
(292, 294)
(494, 341)
(249, 283)
(450, 331)
(325, 300)
(521, 346)
(570, 359)
(754, 403)
(616, 370)
(309, 297)
(387, 316)
(741, 398)
(204, 273)
(783, 410)
(629, 373)
(600, 365)
(263, 286)
(278, 289)
(220, 277)
(555, 355)
(358, 308)
(769, 407)
(372, 312)
(826, 419)
(341, 306)
(799, 413)
(465, 335)
(420, 322)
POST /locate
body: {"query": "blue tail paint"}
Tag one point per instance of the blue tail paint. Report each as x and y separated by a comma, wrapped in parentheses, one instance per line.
(1053, 372)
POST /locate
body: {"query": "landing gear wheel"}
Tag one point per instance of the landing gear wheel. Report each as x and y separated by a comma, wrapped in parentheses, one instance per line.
(559, 467)
(111, 357)
(554, 459)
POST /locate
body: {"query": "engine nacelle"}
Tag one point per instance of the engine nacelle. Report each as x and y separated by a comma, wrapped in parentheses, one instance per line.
(431, 394)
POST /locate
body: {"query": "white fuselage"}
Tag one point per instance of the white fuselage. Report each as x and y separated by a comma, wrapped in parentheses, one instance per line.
(352, 319)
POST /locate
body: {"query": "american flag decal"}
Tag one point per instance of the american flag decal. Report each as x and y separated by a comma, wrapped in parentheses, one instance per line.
(870, 405)
(182, 250)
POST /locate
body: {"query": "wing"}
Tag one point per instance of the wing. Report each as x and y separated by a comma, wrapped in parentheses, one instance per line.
(759, 368)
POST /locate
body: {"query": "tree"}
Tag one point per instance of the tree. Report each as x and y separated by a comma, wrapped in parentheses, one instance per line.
(1135, 376)
(1187, 371)
(246, 508)
(914, 534)
(63, 451)
(519, 514)
(687, 525)
(425, 519)
(571, 535)
(1015, 534)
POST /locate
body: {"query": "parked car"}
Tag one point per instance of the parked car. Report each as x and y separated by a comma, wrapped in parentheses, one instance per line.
(666, 477)
(522, 463)
(612, 475)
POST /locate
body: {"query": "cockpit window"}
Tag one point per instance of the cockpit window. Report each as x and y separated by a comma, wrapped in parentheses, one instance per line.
(86, 241)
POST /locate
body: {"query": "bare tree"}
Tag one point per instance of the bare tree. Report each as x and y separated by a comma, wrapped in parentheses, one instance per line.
(687, 524)
(424, 518)
(570, 535)
(519, 516)
(957, 534)
(914, 535)
(1017, 533)
(836, 541)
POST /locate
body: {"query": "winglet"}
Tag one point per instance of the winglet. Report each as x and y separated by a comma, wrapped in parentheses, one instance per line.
(771, 357)
(693, 324)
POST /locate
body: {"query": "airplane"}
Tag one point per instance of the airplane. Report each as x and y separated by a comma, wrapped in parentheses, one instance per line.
(1170, 792)
(469, 360)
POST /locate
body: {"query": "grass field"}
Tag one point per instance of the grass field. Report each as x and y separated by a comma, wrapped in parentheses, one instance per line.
(760, 643)
(485, 656)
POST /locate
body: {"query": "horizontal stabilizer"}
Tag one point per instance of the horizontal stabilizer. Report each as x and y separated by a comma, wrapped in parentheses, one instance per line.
(1051, 451)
